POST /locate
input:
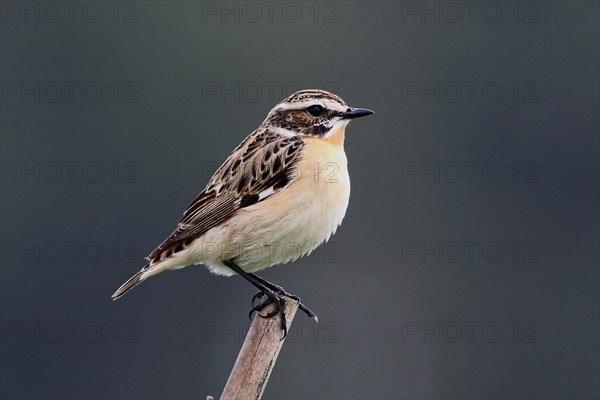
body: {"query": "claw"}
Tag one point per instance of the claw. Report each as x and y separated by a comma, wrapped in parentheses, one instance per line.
(256, 297)
(250, 313)
(258, 307)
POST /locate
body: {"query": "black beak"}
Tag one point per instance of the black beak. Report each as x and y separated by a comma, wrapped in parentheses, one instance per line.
(356, 113)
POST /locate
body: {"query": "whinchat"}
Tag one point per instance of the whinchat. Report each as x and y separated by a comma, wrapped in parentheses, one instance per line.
(281, 193)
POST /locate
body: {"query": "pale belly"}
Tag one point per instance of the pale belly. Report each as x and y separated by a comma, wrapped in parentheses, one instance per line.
(288, 224)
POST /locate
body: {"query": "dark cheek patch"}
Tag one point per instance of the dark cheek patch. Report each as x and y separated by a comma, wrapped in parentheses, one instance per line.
(295, 120)
(317, 130)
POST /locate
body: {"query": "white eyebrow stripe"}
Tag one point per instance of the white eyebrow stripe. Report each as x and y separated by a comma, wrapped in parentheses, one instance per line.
(294, 106)
(331, 105)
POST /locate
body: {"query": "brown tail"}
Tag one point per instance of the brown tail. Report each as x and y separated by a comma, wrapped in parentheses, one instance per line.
(130, 284)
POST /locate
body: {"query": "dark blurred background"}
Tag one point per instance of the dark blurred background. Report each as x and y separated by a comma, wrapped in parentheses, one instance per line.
(466, 267)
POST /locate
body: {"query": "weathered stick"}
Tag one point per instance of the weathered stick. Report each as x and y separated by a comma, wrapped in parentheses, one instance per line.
(257, 357)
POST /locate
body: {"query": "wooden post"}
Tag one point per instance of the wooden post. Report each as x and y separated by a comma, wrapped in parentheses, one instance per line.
(257, 357)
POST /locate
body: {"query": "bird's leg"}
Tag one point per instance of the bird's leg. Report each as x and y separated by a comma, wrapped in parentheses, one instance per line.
(271, 296)
(279, 290)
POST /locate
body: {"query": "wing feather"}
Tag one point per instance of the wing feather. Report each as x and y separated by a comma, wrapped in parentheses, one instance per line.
(260, 166)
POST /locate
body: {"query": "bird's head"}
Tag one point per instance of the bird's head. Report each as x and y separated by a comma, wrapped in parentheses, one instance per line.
(311, 113)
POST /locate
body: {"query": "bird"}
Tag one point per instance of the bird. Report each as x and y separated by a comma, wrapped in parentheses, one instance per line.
(280, 194)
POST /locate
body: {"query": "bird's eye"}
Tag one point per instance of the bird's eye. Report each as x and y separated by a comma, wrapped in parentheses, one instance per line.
(315, 110)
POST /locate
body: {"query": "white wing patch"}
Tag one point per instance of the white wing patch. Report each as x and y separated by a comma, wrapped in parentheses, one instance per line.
(266, 193)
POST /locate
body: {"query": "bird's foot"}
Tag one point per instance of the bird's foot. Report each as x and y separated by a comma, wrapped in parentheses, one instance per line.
(281, 292)
(268, 298)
